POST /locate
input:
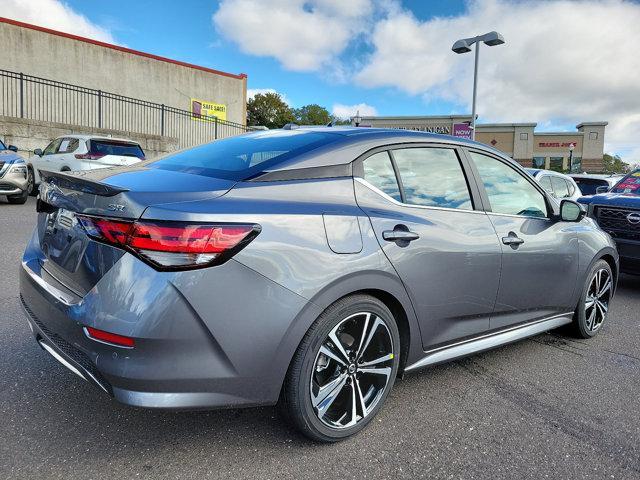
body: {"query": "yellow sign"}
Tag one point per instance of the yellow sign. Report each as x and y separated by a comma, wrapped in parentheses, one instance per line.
(207, 111)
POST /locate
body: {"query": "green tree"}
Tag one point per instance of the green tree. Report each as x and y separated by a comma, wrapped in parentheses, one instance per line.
(614, 164)
(268, 110)
(312, 115)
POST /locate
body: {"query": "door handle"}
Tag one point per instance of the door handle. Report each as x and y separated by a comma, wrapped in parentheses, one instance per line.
(400, 235)
(512, 239)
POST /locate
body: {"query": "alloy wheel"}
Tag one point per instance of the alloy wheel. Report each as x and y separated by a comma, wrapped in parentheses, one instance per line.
(352, 370)
(596, 302)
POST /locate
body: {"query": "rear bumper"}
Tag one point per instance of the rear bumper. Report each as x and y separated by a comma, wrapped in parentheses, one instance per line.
(199, 344)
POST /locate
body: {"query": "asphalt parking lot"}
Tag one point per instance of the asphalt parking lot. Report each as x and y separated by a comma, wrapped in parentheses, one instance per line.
(549, 407)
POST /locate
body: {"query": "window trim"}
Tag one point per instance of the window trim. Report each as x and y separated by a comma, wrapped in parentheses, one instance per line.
(551, 211)
(474, 192)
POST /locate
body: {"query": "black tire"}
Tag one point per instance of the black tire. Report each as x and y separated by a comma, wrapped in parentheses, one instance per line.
(296, 398)
(583, 325)
(65, 169)
(33, 188)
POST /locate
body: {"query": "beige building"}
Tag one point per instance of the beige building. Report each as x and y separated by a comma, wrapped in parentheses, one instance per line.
(53, 55)
(550, 150)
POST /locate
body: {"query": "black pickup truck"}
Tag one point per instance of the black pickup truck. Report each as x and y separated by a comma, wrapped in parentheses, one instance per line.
(617, 211)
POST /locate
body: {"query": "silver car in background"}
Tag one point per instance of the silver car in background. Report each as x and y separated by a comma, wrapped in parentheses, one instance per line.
(559, 185)
(305, 267)
(16, 181)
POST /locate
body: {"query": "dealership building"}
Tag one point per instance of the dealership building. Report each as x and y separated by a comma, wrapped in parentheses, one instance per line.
(550, 150)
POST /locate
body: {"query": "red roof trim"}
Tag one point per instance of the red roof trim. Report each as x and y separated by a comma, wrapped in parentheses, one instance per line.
(121, 49)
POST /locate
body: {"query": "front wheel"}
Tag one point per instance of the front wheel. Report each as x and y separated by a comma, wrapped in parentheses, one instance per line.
(343, 369)
(593, 307)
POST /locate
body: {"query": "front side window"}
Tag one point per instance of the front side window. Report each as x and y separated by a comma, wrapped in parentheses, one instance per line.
(378, 171)
(508, 190)
(560, 188)
(432, 177)
(52, 147)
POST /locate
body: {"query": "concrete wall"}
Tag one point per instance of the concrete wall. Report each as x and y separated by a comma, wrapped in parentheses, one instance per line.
(28, 135)
(52, 55)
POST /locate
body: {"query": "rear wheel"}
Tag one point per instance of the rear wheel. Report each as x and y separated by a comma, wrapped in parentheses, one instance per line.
(593, 307)
(343, 369)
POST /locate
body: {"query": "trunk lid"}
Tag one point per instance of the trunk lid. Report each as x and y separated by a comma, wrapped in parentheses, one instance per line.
(70, 256)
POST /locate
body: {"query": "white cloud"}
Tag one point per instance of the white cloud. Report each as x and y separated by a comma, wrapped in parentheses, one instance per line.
(564, 62)
(56, 15)
(347, 111)
(301, 35)
(252, 92)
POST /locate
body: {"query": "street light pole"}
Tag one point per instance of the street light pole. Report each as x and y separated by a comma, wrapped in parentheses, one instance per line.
(475, 93)
(463, 46)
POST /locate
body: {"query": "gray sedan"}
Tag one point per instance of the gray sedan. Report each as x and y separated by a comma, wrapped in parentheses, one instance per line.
(309, 267)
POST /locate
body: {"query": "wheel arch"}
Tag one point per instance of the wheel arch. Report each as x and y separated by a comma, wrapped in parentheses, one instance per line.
(611, 258)
(383, 286)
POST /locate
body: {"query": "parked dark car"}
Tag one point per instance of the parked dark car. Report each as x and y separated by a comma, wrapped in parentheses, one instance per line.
(305, 266)
(617, 211)
(16, 180)
(589, 184)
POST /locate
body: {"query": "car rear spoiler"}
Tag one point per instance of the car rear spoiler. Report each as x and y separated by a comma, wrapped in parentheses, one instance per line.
(74, 181)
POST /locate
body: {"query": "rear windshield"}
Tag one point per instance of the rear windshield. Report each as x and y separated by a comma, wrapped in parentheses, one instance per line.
(242, 157)
(629, 184)
(108, 147)
(588, 186)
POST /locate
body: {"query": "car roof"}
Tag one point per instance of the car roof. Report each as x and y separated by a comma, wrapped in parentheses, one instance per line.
(97, 137)
(351, 142)
(537, 171)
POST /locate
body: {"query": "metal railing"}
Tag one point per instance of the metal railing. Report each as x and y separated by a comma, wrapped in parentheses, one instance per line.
(26, 96)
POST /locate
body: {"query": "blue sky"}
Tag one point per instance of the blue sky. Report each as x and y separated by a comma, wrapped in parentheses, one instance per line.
(562, 63)
(188, 34)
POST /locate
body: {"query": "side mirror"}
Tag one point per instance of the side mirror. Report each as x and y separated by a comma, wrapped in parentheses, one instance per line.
(38, 152)
(602, 189)
(571, 211)
(13, 148)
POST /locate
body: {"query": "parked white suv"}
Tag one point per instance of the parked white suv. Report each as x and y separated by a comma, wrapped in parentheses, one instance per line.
(559, 185)
(85, 152)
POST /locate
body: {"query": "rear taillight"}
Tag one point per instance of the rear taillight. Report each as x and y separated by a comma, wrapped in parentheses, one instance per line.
(172, 245)
(108, 337)
(89, 156)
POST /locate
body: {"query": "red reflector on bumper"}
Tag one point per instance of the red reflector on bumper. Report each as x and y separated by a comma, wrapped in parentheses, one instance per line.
(107, 337)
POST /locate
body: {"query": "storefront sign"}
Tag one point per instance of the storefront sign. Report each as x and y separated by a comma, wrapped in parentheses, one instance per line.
(207, 111)
(443, 129)
(555, 144)
(462, 130)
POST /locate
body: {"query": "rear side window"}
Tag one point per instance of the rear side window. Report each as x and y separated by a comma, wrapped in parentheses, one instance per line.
(432, 177)
(508, 190)
(560, 188)
(242, 157)
(109, 147)
(68, 145)
(378, 171)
